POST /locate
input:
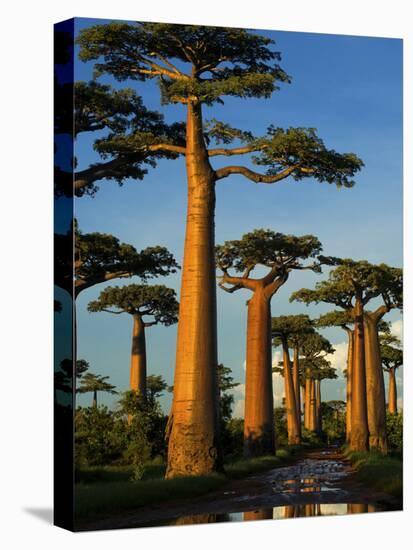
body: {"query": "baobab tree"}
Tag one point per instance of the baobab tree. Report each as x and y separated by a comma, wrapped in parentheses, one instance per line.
(351, 286)
(101, 257)
(344, 320)
(279, 254)
(196, 66)
(297, 327)
(313, 350)
(94, 383)
(392, 359)
(287, 332)
(321, 370)
(149, 306)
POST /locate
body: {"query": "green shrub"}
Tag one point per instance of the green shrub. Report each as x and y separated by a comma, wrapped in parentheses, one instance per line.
(395, 431)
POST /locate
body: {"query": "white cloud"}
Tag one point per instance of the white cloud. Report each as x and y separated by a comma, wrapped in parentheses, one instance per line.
(338, 359)
(397, 329)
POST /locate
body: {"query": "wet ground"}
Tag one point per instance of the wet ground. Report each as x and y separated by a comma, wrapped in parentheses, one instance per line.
(320, 483)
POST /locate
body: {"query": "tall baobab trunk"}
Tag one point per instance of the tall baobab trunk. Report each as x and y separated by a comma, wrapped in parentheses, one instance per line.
(376, 397)
(392, 391)
(307, 400)
(296, 380)
(264, 513)
(95, 399)
(318, 405)
(312, 420)
(259, 401)
(359, 437)
(293, 425)
(138, 357)
(303, 401)
(194, 446)
(350, 335)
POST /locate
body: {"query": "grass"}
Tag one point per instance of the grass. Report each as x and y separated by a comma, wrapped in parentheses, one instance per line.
(380, 472)
(109, 489)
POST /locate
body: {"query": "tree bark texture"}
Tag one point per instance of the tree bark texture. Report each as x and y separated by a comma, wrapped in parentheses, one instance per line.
(293, 426)
(296, 380)
(392, 392)
(350, 335)
(194, 446)
(138, 357)
(376, 397)
(259, 401)
(318, 406)
(359, 437)
(307, 400)
(312, 421)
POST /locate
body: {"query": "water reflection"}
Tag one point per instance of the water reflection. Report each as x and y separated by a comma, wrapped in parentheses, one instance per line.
(279, 512)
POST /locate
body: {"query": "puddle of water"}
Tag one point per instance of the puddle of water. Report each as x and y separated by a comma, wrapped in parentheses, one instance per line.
(277, 512)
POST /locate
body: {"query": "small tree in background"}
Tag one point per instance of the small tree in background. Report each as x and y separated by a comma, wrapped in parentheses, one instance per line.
(351, 286)
(288, 332)
(280, 255)
(392, 359)
(149, 306)
(93, 383)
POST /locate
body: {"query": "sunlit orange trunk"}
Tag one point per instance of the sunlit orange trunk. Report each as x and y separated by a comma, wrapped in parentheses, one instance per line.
(264, 513)
(376, 397)
(348, 382)
(259, 401)
(293, 425)
(392, 392)
(194, 446)
(307, 400)
(318, 405)
(312, 420)
(138, 357)
(359, 437)
(296, 380)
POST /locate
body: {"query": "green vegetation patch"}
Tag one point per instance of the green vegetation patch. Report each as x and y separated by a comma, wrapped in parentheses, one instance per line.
(383, 473)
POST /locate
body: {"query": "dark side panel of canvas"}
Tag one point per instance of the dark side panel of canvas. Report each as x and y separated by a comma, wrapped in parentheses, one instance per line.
(64, 352)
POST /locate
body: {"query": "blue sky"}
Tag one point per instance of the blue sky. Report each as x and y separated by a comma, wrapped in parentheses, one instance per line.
(350, 89)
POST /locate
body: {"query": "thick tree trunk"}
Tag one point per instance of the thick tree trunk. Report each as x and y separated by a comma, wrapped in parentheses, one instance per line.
(307, 400)
(259, 401)
(303, 402)
(95, 399)
(348, 382)
(138, 357)
(376, 397)
(318, 406)
(296, 380)
(392, 392)
(312, 420)
(359, 437)
(293, 425)
(194, 446)
(264, 513)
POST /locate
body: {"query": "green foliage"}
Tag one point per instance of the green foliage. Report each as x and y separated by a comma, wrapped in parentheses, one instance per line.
(95, 383)
(355, 277)
(280, 427)
(382, 473)
(394, 427)
(232, 437)
(212, 61)
(156, 301)
(145, 433)
(390, 351)
(268, 248)
(155, 386)
(101, 499)
(294, 328)
(98, 436)
(333, 420)
(301, 147)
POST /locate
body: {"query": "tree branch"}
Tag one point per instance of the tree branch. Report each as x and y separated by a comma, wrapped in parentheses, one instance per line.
(254, 176)
(235, 151)
(166, 147)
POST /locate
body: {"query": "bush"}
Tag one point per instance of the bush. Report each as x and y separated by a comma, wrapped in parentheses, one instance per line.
(395, 432)
(232, 436)
(281, 432)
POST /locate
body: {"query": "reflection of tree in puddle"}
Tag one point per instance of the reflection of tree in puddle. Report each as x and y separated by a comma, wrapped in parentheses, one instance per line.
(361, 508)
(264, 513)
(196, 519)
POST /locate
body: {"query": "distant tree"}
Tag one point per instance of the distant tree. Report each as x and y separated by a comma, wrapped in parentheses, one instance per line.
(93, 383)
(289, 332)
(196, 66)
(225, 384)
(63, 378)
(351, 286)
(155, 386)
(149, 306)
(280, 255)
(392, 359)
